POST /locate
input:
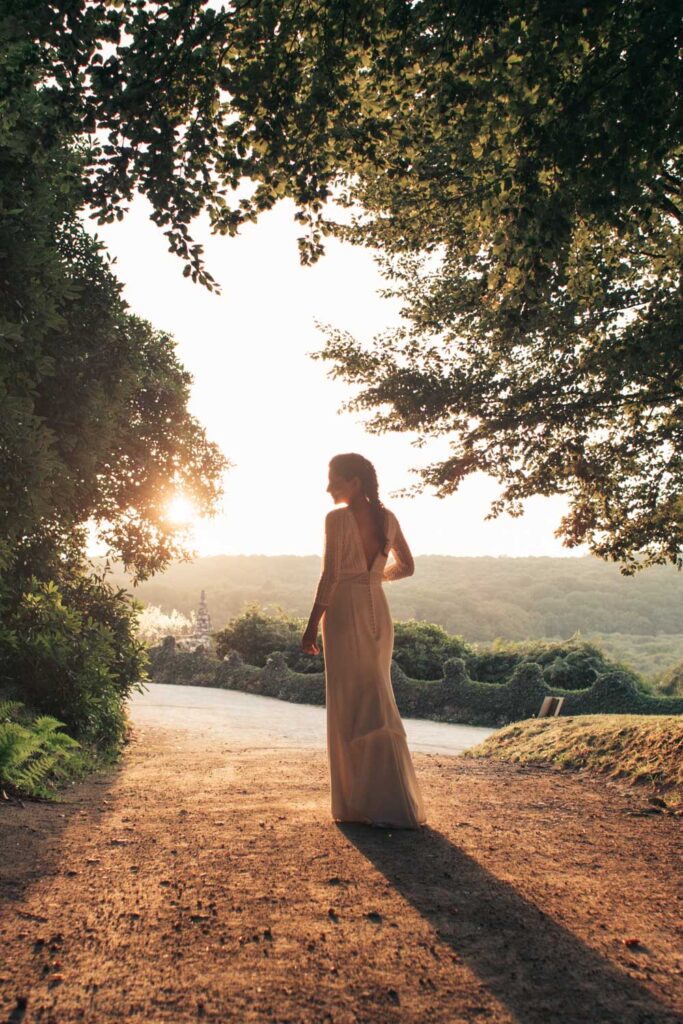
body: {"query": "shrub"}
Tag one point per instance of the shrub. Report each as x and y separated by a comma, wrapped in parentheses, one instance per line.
(572, 664)
(671, 685)
(68, 649)
(456, 697)
(421, 648)
(256, 634)
(484, 687)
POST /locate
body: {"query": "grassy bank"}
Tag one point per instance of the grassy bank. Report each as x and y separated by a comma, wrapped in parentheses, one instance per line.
(638, 748)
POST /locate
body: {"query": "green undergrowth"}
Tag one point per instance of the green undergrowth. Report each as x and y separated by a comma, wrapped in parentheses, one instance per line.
(644, 749)
(38, 757)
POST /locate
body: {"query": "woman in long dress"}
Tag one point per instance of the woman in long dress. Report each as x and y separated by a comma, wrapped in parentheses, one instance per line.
(371, 772)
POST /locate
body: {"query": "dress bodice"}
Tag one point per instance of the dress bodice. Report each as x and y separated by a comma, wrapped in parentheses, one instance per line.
(344, 555)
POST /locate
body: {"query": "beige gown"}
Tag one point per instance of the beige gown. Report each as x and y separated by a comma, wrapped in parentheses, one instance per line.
(371, 772)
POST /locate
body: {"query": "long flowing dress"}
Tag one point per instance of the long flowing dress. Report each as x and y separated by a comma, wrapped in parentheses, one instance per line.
(371, 772)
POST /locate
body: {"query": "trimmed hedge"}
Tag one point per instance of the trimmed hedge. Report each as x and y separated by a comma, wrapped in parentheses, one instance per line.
(454, 698)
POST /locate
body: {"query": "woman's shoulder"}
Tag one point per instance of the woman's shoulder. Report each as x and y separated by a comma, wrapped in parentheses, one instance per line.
(334, 515)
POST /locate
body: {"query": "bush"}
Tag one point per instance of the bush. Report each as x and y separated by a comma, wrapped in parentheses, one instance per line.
(68, 649)
(572, 664)
(256, 634)
(671, 685)
(455, 697)
(421, 648)
(260, 653)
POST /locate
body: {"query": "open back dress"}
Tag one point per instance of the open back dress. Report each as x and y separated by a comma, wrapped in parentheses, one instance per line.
(371, 772)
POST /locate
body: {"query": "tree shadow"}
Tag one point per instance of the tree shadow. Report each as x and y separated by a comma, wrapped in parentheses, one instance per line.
(534, 966)
(31, 831)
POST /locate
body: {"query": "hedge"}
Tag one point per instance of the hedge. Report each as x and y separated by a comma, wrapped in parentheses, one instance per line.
(454, 698)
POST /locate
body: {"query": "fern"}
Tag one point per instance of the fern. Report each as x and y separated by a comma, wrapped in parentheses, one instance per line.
(30, 754)
(8, 709)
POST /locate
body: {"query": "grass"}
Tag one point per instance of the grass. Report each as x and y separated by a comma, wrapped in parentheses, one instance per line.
(645, 749)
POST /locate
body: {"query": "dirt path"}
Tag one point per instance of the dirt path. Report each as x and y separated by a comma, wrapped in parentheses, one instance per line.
(204, 882)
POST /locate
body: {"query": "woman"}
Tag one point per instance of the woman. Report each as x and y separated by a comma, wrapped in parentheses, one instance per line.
(371, 773)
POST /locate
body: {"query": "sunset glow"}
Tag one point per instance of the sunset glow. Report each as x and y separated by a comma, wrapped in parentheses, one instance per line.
(273, 409)
(182, 511)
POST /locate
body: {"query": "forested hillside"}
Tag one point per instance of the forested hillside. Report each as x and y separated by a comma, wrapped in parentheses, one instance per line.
(479, 598)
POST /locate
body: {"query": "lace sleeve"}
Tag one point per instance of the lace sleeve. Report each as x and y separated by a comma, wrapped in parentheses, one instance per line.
(330, 563)
(402, 564)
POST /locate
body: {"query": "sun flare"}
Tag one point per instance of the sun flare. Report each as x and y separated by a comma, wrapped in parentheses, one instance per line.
(181, 510)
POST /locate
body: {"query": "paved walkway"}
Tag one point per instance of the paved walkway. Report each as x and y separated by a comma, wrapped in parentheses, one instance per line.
(247, 720)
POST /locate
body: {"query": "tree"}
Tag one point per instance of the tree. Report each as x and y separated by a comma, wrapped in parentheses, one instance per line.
(94, 424)
(517, 164)
(529, 218)
(94, 420)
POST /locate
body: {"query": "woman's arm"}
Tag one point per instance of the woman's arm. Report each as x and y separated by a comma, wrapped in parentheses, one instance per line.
(326, 584)
(403, 564)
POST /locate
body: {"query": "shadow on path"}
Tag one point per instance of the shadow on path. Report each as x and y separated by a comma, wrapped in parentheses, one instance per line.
(531, 964)
(32, 831)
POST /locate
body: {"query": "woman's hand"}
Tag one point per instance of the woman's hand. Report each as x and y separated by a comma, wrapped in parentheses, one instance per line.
(309, 641)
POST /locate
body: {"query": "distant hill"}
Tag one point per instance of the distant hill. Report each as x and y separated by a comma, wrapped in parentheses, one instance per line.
(479, 598)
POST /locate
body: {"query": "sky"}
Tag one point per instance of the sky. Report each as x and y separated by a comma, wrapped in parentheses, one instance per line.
(274, 411)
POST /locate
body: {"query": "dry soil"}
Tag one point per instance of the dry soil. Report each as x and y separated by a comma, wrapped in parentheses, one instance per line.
(199, 881)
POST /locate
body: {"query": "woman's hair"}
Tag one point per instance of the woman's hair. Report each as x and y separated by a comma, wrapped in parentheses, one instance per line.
(351, 464)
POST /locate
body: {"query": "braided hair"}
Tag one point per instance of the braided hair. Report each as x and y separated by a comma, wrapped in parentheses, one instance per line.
(351, 464)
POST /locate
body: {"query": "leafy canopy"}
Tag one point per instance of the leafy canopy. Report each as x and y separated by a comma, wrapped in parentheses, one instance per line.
(518, 165)
(94, 420)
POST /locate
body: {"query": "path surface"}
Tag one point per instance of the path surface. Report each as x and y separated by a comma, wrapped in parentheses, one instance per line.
(248, 720)
(203, 880)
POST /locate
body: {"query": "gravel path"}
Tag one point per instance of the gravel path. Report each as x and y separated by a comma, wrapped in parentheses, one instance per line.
(203, 880)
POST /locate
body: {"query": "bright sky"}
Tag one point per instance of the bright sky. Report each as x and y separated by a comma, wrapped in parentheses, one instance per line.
(273, 410)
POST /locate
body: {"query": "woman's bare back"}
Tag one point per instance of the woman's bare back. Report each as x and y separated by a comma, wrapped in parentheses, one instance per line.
(370, 539)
